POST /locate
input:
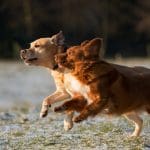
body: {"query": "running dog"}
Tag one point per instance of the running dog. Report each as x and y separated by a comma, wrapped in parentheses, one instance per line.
(120, 89)
(41, 53)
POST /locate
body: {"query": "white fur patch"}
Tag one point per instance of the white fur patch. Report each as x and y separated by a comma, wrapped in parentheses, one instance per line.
(74, 86)
(68, 124)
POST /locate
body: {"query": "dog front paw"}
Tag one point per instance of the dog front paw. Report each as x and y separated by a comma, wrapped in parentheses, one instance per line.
(43, 114)
(68, 125)
(44, 111)
(77, 119)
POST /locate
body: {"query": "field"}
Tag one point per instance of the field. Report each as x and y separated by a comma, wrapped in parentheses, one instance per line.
(22, 89)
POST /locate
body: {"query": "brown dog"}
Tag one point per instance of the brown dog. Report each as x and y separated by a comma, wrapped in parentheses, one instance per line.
(41, 53)
(122, 90)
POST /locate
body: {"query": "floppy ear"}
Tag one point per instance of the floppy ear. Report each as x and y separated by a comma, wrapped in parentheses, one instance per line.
(58, 39)
(93, 47)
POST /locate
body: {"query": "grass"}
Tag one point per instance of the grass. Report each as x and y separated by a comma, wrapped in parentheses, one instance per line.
(97, 133)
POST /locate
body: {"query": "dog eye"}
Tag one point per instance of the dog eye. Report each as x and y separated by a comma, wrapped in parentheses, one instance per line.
(36, 46)
(70, 53)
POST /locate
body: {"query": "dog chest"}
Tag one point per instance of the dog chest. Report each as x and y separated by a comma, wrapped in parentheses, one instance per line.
(74, 86)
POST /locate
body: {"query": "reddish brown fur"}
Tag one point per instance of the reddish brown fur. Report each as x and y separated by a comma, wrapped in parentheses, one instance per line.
(77, 103)
(121, 89)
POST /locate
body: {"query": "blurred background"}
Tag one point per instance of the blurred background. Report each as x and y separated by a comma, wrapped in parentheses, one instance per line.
(124, 26)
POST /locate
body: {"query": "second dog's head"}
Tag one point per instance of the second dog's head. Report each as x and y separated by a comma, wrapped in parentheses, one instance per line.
(86, 51)
(43, 50)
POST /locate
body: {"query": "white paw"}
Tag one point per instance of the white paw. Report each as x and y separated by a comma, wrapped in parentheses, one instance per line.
(68, 125)
(43, 114)
(44, 111)
(133, 135)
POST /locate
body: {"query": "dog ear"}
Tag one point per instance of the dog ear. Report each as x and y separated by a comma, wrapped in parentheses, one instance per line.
(95, 44)
(93, 47)
(84, 42)
(58, 39)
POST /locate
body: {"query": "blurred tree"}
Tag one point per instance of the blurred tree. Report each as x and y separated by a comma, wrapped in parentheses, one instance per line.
(124, 25)
(123, 39)
(143, 13)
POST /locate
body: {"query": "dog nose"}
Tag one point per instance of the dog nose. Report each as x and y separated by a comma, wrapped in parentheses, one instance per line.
(23, 51)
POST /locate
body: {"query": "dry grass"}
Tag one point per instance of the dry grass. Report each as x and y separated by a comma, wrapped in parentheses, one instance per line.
(22, 130)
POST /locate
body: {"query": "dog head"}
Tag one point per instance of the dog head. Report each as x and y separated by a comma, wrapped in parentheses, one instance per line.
(86, 51)
(43, 50)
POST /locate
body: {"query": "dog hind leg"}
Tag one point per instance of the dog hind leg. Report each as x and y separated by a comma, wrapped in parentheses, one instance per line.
(133, 116)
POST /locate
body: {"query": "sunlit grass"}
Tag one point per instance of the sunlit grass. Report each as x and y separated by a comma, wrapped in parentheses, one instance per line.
(97, 133)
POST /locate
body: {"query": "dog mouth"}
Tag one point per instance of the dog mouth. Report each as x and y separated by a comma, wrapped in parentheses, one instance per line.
(32, 59)
(29, 60)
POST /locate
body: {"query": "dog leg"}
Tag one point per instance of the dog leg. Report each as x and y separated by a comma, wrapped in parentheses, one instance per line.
(91, 110)
(133, 116)
(57, 96)
(76, 104)
(68, 123)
